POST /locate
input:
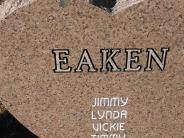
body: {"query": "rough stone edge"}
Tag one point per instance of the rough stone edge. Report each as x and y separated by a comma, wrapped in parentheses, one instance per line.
(124, 4)
(9, 6)
(2, 108)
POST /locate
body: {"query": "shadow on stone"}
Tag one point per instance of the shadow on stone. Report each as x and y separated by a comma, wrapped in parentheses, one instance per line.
(10, 127)
(105, 4)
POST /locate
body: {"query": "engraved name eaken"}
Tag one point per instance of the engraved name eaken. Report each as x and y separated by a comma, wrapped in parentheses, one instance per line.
(108, 60)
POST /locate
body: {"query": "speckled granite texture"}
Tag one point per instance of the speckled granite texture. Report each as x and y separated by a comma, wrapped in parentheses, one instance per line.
(59, 105)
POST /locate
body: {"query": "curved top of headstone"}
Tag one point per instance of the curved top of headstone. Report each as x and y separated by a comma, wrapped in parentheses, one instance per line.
(113, 6)
(59, 104)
